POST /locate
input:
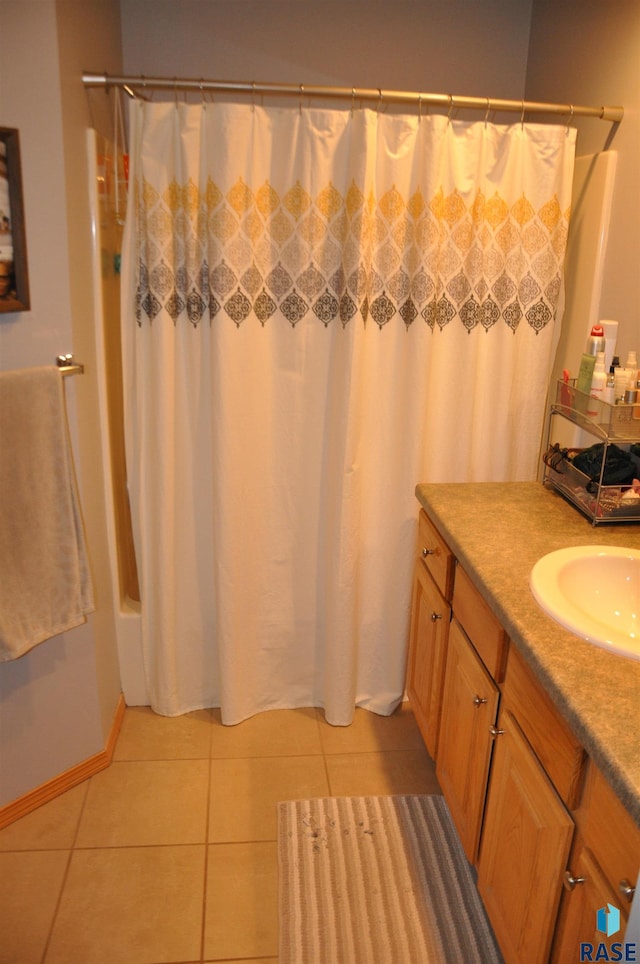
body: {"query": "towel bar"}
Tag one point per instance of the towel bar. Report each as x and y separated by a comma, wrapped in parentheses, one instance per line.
(68, 366)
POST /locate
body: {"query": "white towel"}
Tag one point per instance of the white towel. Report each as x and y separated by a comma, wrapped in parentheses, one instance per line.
(45, 584)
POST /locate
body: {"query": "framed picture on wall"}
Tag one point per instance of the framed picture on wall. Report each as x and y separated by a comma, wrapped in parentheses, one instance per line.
(14, 274)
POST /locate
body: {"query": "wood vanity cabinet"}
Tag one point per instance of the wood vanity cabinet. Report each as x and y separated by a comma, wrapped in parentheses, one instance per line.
(531, 810)
(602, 869)
(430, 618)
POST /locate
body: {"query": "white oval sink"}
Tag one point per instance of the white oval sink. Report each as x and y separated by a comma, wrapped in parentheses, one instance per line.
(593, 591)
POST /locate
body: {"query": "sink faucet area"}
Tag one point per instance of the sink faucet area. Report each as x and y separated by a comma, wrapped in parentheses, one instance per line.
(594, 592)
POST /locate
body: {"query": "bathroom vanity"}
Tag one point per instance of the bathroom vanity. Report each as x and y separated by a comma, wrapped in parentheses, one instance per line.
(535, 733)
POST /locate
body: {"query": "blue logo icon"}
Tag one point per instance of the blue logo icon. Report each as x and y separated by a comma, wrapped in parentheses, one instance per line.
(608, 921)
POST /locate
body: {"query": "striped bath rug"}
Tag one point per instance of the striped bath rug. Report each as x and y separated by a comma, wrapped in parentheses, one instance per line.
(377, 880)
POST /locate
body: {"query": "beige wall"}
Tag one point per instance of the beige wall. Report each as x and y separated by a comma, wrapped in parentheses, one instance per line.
(57, 702)
(589, 53)
(456, 46)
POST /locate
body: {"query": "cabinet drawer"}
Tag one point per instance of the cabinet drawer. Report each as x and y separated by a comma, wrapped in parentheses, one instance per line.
(436, 555)
(552, 740)
(610, 832)
(480, 625)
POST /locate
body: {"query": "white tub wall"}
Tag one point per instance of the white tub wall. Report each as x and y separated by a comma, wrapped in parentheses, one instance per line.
(57, 702)
(105, 246)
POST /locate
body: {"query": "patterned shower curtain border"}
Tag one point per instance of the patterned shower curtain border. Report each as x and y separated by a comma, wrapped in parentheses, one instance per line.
(256, 252)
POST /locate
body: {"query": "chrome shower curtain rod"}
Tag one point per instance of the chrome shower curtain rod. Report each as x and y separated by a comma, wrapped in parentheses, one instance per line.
(136, 86)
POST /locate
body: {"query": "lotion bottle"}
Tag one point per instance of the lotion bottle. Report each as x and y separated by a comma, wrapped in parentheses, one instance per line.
(631, 368)
(598, 384)
(585, 373)
(620, 381)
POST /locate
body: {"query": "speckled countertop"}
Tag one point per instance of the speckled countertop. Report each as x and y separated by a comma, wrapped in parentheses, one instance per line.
(498, 531)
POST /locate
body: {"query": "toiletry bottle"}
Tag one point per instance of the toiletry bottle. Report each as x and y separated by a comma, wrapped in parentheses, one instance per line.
(596, 341)
(609, 395)
(629, 400)
(610, 329)
(620, 380)
(631, 368)
(598, 385)
(585, 373)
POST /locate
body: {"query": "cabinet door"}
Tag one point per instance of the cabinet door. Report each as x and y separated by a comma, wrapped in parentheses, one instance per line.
(469, 708)
(524, 849)
(589, 891)
(430, 617)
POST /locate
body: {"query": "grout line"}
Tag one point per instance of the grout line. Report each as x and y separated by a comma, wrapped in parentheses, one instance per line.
(324, 760)
(203, 923)
(65, 876)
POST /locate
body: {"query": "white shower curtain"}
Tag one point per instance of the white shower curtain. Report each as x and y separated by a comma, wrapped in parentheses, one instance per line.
(321, 308)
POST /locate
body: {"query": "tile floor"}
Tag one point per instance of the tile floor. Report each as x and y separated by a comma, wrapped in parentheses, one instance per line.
(169, 856)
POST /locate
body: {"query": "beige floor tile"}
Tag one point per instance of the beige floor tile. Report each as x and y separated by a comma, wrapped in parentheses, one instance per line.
(136, 905)
(273, 733)
(30, 884)
(242, 901)
(370, 732)
(145, 735)
(244, 793)
(146, 803)
(52, 826)
(391, 772)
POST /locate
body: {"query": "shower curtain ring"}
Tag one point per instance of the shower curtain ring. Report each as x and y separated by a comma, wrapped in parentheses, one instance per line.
(419, 107)
(379, 98)
(570, 116)
(486, 116)
(522, 117)
(450, 107)
(301, 96)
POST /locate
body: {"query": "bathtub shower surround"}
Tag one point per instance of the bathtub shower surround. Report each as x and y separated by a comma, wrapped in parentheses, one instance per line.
(320, 307)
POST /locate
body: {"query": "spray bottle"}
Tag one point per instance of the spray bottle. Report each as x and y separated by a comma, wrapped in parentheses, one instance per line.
(596, 341)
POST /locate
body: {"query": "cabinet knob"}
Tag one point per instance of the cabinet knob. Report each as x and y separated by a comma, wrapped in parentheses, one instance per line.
(627, 890)
(494, 731)
(435, 617)
(569, 881)
(427, 552)
(479, 700)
